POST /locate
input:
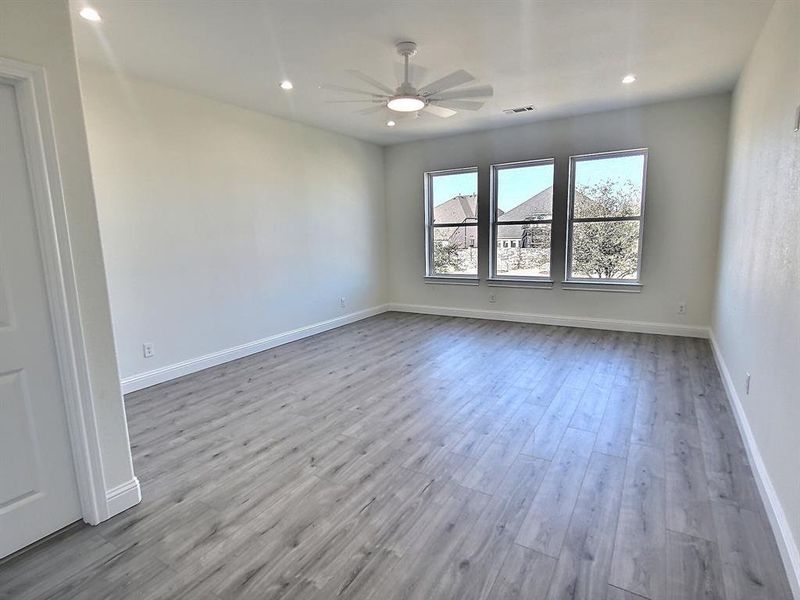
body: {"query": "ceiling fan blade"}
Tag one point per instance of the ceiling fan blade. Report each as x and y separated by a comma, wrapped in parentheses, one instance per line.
(452, 80)
(480, 91)
(373, 82)
(439, 111)
(340, 88)
(460, 104)
(371, 109)
(416, 73)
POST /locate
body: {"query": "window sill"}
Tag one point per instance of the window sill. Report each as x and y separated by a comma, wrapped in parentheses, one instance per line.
(608, 286)
(545, 284)
(452, 280)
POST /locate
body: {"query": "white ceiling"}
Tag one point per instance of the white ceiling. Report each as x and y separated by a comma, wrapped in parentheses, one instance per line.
(564, 56)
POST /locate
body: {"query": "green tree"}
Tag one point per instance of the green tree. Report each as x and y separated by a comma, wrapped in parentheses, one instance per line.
(608, 249)
(537, 240)
(447, 257)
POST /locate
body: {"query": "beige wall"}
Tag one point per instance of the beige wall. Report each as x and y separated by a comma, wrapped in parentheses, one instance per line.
(687, 141)
(222, 226)
(39, 32)
(757, 310)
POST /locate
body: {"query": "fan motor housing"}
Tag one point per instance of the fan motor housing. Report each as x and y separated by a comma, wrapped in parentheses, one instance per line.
(406, 48)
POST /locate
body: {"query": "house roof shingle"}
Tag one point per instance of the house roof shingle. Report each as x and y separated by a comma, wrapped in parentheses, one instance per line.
(536, 207)
(459, 209)
(539, 206)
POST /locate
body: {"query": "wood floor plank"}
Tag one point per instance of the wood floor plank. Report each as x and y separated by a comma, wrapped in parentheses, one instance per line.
(419, 576)
(650, 417)
(593, 402)
(548, 432)
(592, 405)
(48, 566)
(415, 457)
(639, 562)
(474, 565)
(489, 470)
(547, 520)
(687, 501)
(751, 565)
(584, 561)
(525, 575)
(613, 435)
(520, 484)
(693, 568)
(615, 593)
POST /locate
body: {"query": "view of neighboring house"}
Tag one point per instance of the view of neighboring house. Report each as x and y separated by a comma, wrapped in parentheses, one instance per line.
(536, 208)
(523, 244)
(463, 209)
(459, 209)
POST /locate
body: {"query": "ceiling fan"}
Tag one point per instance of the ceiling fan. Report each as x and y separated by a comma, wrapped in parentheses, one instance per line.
(438, 98)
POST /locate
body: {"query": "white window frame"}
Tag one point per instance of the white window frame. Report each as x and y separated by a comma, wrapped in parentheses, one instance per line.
(494, 240)
(571, 220)
(430, 274)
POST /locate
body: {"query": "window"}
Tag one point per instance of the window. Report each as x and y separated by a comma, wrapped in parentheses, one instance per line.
(451, 209)
(522, 219)
(606, 203)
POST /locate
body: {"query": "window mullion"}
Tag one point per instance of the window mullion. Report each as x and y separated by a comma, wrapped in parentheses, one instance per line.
(605, 219)
(541, 222)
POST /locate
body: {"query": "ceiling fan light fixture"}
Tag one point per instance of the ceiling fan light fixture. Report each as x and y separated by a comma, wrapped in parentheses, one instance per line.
(90, 14)
(405, 104)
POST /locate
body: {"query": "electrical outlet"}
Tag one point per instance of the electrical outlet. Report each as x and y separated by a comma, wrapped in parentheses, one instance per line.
(492, 298)
(343, 302)
(747, 384)
(682, 308)
(148, 350)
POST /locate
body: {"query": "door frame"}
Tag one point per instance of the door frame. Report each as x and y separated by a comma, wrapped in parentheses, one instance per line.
(30, 87)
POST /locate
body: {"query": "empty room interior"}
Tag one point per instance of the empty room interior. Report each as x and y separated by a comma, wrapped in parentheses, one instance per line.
(399, 300)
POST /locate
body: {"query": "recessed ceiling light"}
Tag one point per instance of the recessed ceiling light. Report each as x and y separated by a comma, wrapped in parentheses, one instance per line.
(629, 78)
(90, 14)
(390, 123)
(286, 85)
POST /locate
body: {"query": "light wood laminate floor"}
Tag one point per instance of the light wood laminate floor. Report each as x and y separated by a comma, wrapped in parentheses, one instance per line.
(420, 457)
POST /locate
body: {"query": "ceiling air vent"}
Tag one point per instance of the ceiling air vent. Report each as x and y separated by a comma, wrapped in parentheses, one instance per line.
(519, 109)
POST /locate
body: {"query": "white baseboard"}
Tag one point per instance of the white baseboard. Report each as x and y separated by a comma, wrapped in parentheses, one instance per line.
(123, 497)
(566, 321)
(186, 367)
(169, 372)
(777, 517)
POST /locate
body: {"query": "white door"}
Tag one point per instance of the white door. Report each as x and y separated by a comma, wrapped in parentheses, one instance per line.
(38, 490)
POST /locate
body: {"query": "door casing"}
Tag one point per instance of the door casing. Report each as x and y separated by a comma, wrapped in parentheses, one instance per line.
(30, 87)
